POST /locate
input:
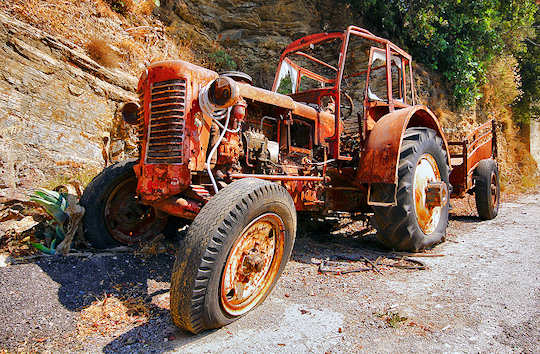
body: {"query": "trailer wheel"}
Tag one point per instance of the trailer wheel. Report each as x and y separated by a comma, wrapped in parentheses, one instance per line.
(232, 255)
(487, 189)
(413, 224)
(113, 217)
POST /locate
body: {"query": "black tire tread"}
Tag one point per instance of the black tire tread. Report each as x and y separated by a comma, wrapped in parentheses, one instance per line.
(396, 229)
(205, 239)
(94, 194)
(482, 189)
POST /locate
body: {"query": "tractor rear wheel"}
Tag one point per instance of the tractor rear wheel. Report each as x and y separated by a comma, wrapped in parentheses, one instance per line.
(487, 189)
(113, 216)
(232, 255)
(415, 224)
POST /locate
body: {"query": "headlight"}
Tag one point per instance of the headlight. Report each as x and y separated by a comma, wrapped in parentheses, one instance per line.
(223, 92)
(129, 113)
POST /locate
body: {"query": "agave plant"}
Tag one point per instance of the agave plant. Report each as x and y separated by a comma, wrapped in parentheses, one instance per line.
(55, 204)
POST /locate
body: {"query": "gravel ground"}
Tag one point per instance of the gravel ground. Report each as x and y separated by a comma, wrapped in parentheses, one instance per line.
(481, 296)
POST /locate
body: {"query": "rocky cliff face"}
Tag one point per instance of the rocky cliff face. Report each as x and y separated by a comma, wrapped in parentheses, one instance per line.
(254, 32)
(57, 107)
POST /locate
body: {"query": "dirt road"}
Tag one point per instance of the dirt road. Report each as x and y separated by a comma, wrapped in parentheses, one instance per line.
(481, 296)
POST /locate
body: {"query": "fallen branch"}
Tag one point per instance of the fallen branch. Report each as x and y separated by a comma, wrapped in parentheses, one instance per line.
(421, 266)
(373, 265)
(407, 254)
(112, 252)
(143, 27)
(323, 270)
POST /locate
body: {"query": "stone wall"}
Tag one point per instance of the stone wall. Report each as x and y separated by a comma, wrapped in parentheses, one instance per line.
(255, 32)
(57, 106)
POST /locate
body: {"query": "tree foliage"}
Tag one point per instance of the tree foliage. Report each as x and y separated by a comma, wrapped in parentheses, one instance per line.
(457, 38)
(223, 60)
(528, 106)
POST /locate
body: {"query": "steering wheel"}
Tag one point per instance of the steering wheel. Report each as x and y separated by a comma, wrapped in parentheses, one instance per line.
(346, 109)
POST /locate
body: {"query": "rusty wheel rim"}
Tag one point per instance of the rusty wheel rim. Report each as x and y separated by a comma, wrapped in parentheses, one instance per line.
(426, 171)
(127, 220)
(253, 264)
(493, 188)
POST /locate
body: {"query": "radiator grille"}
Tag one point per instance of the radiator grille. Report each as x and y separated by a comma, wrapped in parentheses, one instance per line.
(166, 128)
(140, 117)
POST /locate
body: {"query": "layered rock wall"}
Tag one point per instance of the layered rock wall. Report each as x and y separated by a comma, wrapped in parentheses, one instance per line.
(57, 106)
(256, 32)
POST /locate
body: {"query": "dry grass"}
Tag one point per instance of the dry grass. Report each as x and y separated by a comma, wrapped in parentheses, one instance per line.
(82, 174)
(110, 315)
(99, 50)
(145, 8)
(123, 7)
(516, 165)
(131, 32)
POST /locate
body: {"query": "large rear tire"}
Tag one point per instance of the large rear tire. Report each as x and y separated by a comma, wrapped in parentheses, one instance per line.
(487, 189)
(232, 255)
(411, 225)
(113, 216)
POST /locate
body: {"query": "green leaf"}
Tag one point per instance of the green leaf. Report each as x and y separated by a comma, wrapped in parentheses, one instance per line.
(53, 202)
(42, 248)
(60, 235)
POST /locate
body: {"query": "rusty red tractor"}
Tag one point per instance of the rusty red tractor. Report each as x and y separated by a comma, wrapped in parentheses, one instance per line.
(340, 131)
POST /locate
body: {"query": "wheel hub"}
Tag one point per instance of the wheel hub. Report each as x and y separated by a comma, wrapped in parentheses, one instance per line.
(127, 220)
(436, 194)
(430, 193)
(252, 264)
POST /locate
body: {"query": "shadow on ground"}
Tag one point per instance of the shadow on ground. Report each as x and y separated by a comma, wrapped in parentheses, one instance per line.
(468, 219)
(82, 280)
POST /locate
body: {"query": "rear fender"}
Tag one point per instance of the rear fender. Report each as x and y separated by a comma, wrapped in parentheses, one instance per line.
(378, 166)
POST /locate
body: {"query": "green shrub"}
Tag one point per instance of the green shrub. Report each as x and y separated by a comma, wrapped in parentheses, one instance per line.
(223, 60)
(457, 38)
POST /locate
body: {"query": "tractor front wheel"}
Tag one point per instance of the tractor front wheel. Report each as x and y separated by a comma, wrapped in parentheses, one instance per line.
(232, 255)
(113, 215)
(416, 222)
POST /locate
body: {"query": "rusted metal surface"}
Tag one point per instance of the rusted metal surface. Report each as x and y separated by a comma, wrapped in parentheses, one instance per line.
(252, 264)
(428, 213)
(262, 95)
(229, 150)
(224, 92)
(278, 177)
(173, 134)
(380, 160)
(458, 175)
(479, 145)
(180, 207)
(167, 122)
(436, 194)
(127, 220)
